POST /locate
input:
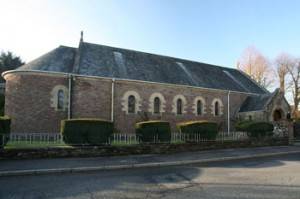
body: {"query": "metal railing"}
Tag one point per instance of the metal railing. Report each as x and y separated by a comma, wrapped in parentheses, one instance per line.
(121, 138)
(197, 137)
(36, 137)
(49, 139)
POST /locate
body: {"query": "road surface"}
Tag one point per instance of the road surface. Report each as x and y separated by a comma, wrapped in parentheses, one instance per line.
(276, 177)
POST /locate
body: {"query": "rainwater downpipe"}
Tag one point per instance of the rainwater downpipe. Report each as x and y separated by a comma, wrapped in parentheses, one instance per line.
(228, 112)
(112, 99)
(70, 97)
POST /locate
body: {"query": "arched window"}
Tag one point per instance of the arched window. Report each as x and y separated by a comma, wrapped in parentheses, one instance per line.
(131, 104)
(156, 105)
(179, 106)
(217, 108)
(199, 107)
(60, 99)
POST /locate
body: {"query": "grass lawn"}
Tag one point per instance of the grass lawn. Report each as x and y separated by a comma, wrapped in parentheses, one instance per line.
(39, 144)
(45, 144)
(34, 144)
(123, 143)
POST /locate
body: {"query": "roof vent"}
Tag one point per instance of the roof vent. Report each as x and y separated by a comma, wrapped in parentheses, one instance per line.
(121, 64)
(235, 80)
(187, 72)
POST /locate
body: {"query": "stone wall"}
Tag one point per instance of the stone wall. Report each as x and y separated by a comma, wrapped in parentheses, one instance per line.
(253, 115)
(278, 102)
(125, 121)
(29, 102)
(91, 98)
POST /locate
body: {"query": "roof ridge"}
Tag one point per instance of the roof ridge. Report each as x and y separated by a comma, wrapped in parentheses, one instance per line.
(65, 47)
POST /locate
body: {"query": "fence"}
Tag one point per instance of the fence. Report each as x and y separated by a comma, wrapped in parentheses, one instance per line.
(196, 137)
(121, 138)
(52, 139)
(33, 139)
(118, 138)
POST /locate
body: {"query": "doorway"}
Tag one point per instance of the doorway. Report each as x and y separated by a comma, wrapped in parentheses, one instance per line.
(277, 115)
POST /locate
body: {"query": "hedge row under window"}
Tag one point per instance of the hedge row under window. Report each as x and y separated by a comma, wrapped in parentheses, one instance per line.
(86, 131)
(206, 130)
(96, 132)
(153, 131)
(256, 129)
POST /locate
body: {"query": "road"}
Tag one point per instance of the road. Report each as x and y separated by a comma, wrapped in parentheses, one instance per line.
(276, 177)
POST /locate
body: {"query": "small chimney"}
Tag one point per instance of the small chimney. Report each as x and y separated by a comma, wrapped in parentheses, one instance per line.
(238, 65)
(81, 36)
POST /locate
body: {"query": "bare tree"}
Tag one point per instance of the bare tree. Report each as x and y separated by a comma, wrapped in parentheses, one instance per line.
(293, 83)
(282, 62)
(257, 66)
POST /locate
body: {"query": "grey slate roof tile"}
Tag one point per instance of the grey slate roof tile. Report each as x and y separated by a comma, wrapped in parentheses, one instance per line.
(105, 61)
(60, 59)
(257, 102)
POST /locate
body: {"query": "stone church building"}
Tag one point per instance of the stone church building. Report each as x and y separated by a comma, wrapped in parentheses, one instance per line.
(127, 86)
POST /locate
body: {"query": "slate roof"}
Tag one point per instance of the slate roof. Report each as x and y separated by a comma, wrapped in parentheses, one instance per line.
(60, 59)
(257, 102)
(104, 61)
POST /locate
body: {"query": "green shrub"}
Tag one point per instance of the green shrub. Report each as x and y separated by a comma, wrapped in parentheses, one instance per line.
(2, 102)
(207, 130)
(296, 125)
(149, 131)
(256, 129)
(242, 125)
(4, 130)
(86, 131)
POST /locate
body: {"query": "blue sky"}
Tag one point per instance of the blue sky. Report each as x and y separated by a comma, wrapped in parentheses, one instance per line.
(212, 31)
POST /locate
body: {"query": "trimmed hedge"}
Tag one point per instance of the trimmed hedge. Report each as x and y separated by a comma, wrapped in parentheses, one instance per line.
(207, 130)
(256, 129)
(149, 131)
(4, 130)
(2, 102)
(296, 125)
(86, 131)
(242, 125)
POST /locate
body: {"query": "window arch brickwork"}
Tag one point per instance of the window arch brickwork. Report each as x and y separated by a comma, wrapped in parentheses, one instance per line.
(195, 105)
(184, 104)
(162, 102)
(220, 109)
(59, 98)
(138, 101)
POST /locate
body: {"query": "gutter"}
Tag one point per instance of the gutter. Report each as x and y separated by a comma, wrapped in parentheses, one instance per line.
(228, 112)
(70, 97)
(112, 99)
(121, 79)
